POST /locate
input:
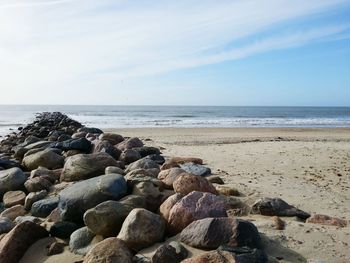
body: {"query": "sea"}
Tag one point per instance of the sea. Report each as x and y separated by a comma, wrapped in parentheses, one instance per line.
(14, 116)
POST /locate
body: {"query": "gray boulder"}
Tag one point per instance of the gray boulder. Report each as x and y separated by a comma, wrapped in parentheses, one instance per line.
(76, 199)
(44, 207)
(144, 163)
(46, 158)
(11, 179)
(107, 218)
(85, 166)
(80, 241)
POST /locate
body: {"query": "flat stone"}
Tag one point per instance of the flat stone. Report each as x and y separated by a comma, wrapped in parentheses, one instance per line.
(12, 198)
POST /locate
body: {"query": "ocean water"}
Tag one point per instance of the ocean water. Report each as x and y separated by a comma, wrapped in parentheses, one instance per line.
(11, 117)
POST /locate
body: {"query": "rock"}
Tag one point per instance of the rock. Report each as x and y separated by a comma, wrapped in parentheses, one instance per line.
(80, 144)
(85, 166)
(33, 219)
(76, 199)
(55, 248)
(109, 250)
(147, 150)
(7, 164)
(113, 138)
(231, 255)
(227, 190)
(44, 207)
(33, 197)
(142, 229)
(50, 175)
(176, 161)
(18, 240)
(134, 201)
(106, 219)
(143, 163)
(277, 207)
(79, 135)
(130, 143)
(54, 216)
(278, 223)
(326, 220)
(63, 229)
(114, 170)
(157, 158)
(164, 209)
(150, 192)
(214, 179)
(173, 252)
(138, 258)
(187, 183)
(169, 176)
(5, 225)
(46, 158)
(14, 211)
(210, 233)
(90, 130)
(80, 241)
(107, 147)
(129, 156)
(12, 198)
(195, 206)
(143, 175)
(11, 179)
(37, 184)
(196, 169)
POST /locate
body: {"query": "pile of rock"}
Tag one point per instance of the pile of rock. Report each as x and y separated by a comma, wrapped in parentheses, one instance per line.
(108, 197)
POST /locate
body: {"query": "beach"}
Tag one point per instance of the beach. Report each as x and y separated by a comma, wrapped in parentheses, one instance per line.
(308, 168)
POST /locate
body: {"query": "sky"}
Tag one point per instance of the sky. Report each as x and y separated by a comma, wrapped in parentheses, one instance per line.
(183, 52)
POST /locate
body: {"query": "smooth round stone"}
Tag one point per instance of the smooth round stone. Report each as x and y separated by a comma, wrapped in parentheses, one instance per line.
(12, 198)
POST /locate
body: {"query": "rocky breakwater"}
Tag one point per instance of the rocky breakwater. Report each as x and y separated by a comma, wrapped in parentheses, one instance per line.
(107, 197)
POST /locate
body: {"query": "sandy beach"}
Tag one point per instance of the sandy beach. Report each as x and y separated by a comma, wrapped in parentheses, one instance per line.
(308, 168)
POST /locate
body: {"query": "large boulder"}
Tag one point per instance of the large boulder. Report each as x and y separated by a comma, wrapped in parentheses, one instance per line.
(85, 166)
(277, 207)
(196, 169)
(130, 143)
(129, 156)
(5, 225)
(12, 198)
(173, 252)
(165, 207)
(11, 179)
(81, 196)
(186, 183)
(109, 250)
(37, 184)
(142, 229)
(80, 144)
(106, 147)
(210, 233)
(195, 206)
(80, 241)
(169, 176)
(113, 138)
(18, 240)
(33, 197)
(44, 207)
(90, 130)
(144, 163)
(106, 219)
(46, 158)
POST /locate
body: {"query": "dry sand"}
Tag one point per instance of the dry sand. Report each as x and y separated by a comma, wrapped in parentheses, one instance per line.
(309, 168)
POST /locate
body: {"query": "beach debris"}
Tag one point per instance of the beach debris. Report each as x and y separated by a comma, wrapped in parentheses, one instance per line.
(327, 220)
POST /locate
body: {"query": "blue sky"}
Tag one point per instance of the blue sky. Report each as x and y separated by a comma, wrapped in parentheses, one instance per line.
(186, 52)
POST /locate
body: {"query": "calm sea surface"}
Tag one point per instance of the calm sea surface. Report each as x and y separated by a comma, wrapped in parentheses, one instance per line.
(12, 117)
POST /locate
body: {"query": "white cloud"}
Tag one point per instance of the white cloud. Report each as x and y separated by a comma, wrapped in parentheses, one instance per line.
(78, 44)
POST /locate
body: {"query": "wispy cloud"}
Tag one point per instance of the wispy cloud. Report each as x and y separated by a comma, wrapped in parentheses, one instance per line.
(67, 42)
